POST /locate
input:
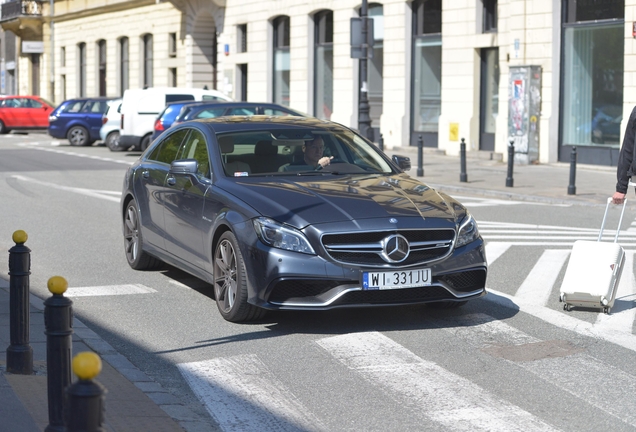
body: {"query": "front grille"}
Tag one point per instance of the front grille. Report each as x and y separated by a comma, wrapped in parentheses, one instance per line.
(294, 288)
(397, 296)
(465, 281)
(365, 248)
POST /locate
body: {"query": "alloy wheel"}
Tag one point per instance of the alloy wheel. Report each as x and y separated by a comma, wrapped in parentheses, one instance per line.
(225, 276)
(131, 233)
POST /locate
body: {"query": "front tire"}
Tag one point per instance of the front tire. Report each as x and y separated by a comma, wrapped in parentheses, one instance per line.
(112, 142)
(230, 282)
(137, 258)
(78, 136)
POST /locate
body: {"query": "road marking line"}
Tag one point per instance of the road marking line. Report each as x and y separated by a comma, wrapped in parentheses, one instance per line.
(494, 250)
(573, 371)
(108, 290)
(241, 394)
(537, 287)
(88, 192)
(623, 313)
(438, 395)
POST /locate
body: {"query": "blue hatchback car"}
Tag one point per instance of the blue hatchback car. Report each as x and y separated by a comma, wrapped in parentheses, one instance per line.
(79, 120)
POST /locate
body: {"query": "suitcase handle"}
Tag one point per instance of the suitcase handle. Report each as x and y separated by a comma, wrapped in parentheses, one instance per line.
(620, 220)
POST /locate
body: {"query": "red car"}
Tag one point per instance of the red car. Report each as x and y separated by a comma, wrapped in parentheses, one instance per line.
(24, 112)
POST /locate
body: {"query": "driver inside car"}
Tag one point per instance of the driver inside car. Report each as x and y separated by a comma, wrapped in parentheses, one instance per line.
(313, 158)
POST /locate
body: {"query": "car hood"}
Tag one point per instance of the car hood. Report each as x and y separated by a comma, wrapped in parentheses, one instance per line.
(315, 200)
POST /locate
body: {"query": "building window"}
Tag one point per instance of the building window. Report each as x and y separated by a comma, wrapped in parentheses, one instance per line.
(490, 16)
(63, 86)
(63, 57)
(172, 77)
(281, 60)
(81, 57)
(172, 44)
(101, 55)
(123, 80)
(427, 68)
(147, 60)
(592, 80)
(241, 34)
(323, 65)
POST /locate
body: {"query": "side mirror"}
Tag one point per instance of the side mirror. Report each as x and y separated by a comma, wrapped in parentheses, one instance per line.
(184, 166)
(404, 162)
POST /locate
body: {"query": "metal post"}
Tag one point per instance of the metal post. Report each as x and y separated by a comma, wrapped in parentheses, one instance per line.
(381, 142)
(86, 397)
(19, 353)
(420, 157)
(511, 161)
(364, 120)
(58, 322)
(572, 186)
(463, 177)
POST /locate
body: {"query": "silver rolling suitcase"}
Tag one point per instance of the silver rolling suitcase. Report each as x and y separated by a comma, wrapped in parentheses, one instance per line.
(595, 267)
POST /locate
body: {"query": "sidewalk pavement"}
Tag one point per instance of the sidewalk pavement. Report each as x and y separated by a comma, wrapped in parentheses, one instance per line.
(135, 402)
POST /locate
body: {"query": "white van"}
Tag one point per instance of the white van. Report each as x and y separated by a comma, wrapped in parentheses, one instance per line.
(140, 108)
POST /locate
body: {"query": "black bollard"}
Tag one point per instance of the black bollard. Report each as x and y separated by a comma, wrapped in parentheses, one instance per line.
(572, 185)
(511, 161)
(420, 157)
(85, 397)
(463, 177)
(19, 353)
(381, 142)
(58, 322)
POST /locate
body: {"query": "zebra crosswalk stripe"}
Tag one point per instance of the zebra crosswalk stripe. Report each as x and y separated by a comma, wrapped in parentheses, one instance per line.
(574, 372)
(242, 395)
(538, 285)
(439, 395)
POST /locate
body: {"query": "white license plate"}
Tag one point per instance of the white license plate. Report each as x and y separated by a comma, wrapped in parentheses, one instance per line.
(396, 279)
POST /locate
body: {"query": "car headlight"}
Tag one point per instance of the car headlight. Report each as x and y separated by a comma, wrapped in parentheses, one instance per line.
(468, 231)
(280, 236)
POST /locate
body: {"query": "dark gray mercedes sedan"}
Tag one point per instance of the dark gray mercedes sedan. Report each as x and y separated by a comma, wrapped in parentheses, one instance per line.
(296, 213)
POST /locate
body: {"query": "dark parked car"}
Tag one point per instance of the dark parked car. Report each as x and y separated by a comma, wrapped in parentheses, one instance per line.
(209, 197)
(24, 113)
(201, 110)
(78, 120)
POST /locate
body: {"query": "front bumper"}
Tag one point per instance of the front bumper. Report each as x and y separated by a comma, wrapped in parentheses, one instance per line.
(285, 280)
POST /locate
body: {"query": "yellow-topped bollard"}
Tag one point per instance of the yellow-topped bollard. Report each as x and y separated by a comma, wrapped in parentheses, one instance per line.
(87, 365)
(57, 285)
(20, 237)
(85, 396)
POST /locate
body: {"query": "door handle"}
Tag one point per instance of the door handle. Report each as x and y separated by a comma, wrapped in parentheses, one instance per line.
(172, 181)
(145, 174)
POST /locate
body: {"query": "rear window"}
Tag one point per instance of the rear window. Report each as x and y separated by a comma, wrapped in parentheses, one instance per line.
(178, 97)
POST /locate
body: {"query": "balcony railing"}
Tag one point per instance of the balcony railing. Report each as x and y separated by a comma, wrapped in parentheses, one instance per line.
(24, 8)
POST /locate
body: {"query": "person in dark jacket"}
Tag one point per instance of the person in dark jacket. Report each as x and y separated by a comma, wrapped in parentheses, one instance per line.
(626, 165)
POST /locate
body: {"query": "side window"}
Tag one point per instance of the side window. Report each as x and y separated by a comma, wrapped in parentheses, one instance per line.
(98, 107)
(241, 111)
(21, 102)
(87, 106)
(167, 150)
(196, 148)
(178, 97)
(34, 104)
(275, 112)
(210, 113)
(73, 107)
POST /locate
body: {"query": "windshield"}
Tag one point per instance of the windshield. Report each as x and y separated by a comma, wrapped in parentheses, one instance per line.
(296, 152)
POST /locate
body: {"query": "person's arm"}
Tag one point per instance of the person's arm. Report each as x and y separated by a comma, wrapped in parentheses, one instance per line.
(625, 159)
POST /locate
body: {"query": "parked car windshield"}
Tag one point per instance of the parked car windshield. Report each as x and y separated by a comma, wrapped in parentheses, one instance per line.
(282, 152)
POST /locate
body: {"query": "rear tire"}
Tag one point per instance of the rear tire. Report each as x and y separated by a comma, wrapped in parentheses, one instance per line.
(137, 258)
(3, 128)
(230, 282)
(78, 136)
(145, 143)
(112, 142)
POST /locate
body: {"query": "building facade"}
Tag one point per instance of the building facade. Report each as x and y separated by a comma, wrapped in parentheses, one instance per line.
(546, 75)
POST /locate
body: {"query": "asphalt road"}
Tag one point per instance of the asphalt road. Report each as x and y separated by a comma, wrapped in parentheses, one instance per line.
(508, 361)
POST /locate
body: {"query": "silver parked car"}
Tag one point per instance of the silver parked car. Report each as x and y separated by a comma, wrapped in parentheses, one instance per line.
(296, 213)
